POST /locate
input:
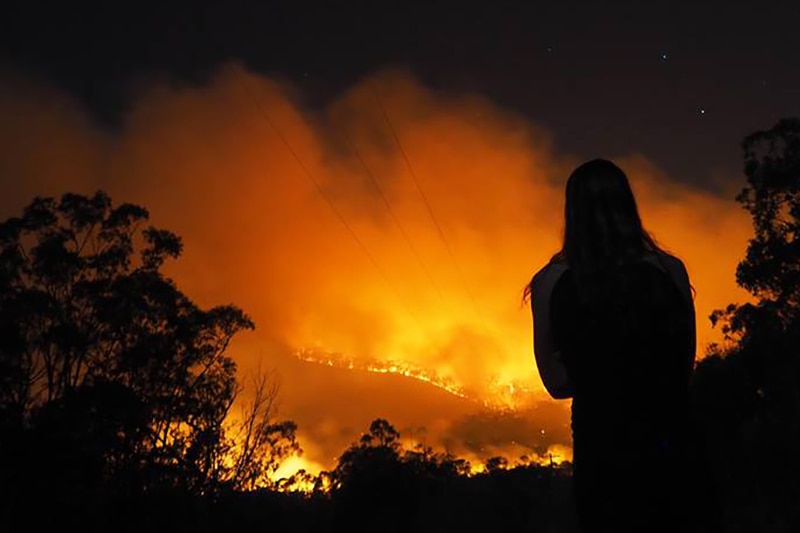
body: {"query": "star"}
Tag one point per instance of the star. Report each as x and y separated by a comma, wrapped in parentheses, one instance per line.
(701, 110)
(663, 56)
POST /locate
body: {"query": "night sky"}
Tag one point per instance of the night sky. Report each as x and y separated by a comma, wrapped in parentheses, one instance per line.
(679, 84)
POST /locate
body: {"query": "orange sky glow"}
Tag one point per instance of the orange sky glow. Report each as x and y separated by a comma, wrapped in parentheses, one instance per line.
(381, 245)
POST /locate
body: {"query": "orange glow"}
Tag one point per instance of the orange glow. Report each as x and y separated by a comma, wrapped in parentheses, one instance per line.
(556, 454)
(292, 466)
(433, 298)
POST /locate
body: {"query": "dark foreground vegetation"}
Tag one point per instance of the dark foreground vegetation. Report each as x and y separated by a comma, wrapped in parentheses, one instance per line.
(115, 391)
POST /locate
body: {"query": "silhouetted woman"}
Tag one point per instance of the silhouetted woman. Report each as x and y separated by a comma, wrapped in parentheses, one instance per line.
(614, 329)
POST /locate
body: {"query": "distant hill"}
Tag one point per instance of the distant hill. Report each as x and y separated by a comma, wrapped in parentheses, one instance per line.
(333, 406)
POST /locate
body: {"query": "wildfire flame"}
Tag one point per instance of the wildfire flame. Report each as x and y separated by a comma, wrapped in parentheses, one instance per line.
(502, 394)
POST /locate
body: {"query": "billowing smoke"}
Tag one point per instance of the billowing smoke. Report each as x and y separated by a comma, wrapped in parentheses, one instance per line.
(392, 231)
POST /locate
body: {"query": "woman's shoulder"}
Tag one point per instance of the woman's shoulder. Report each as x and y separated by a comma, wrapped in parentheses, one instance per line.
(669, 259)
(547, 276)
(668, 263)
(674, 268)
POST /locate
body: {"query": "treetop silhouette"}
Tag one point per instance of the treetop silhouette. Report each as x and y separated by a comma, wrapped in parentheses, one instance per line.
(105, 360)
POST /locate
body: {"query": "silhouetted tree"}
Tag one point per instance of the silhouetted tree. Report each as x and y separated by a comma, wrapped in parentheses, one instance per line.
(496, 463)
(748, 389)
(771, 268)
(258, 444)
(108, 372)
(379, 484)
(423, 460)
(374, 457)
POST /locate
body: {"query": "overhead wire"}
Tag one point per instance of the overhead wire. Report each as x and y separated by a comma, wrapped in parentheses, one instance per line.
(425, 200)
(337, 212)
(348, 227)
(393, 215)
(386, 202)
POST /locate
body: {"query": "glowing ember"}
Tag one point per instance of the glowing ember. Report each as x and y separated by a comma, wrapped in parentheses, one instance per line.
(501, 395)
(380, 367)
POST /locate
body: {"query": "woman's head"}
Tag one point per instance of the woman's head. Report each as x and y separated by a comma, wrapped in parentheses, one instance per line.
(602, 226)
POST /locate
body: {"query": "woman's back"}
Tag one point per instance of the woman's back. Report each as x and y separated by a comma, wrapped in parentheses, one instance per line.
(626, 340)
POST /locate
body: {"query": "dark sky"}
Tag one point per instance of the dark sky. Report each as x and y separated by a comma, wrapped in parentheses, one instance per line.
(680, 84)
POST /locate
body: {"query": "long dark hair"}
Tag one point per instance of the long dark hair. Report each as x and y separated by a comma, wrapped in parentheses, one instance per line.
(602, 227)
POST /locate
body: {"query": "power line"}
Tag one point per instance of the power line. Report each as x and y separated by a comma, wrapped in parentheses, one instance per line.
(424, 197)
(393, 215)
(331, 204)
(472, 347)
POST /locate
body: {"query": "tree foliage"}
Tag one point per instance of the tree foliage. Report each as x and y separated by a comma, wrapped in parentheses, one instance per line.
(748, 389)
(423, 490)
(771, 267)
(108, 372)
